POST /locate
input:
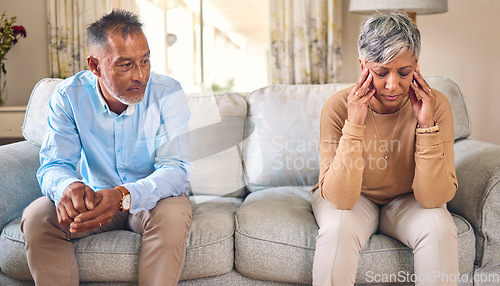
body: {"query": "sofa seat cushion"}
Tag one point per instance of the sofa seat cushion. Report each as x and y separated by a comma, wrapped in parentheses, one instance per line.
(210, 248)
(276, 235)
(114, 256)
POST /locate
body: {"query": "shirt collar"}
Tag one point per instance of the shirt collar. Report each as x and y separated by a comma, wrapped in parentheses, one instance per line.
(130, 108)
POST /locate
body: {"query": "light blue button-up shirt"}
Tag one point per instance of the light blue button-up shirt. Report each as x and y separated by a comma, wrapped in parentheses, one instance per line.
(145, 149)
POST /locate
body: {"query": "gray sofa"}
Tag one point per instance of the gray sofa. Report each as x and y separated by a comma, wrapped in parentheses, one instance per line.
(256, 158)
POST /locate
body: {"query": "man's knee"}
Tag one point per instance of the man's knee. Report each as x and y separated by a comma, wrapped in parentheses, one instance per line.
(39, 212)
(40, 218)
(175, 208)
(173, 216)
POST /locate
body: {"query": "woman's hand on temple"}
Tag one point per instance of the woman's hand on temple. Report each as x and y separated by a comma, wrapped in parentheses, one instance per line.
(358, 99)
(423, 109)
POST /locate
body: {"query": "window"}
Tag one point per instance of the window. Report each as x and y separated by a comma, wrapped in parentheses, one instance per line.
(224, 49)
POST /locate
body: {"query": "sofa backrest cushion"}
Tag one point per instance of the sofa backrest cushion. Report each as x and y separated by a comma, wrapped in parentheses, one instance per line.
(216, 129)
(284, 147)
(450, 89)
(35, 119)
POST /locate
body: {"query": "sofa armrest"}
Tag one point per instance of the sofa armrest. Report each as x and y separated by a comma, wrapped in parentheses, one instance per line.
(18, 184)
(478, 196)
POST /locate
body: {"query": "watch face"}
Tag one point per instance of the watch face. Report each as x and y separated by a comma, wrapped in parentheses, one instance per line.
(126, 202)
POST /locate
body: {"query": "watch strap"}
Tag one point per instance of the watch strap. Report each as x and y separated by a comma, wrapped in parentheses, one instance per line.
(123, 190)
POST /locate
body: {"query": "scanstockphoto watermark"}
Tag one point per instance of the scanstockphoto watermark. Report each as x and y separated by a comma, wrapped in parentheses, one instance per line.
(434, 277)
(304, 154)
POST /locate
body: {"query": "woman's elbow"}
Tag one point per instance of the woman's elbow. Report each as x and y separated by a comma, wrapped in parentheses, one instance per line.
(435, 202)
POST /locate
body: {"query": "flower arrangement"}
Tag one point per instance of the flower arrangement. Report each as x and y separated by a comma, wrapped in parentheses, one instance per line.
(9, 35)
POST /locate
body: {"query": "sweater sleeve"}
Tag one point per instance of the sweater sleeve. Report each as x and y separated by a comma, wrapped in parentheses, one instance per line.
(342, 166)
(435, 181)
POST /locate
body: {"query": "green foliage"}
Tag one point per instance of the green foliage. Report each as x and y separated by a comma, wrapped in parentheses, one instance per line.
(219, 88)
(9, 35)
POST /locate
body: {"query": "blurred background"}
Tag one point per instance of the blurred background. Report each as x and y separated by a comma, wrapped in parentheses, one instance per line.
(225, 45)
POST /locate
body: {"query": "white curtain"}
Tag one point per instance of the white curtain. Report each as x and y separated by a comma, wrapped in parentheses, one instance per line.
(68, 21)
(306, 39)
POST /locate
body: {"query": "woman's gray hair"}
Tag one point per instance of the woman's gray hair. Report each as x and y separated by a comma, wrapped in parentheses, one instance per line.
(384, 36)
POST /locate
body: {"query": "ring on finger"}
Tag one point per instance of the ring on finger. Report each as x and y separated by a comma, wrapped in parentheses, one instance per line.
(429, 90)
(100, 224)
(357, 94)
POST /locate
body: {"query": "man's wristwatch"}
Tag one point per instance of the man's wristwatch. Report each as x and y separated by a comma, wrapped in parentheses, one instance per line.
(126, 199)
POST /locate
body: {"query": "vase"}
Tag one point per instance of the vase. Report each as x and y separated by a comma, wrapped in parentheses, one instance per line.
(3, 91)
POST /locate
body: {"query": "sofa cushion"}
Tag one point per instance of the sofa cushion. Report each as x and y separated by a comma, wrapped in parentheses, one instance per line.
(283, 149)
(450, 89)
(35, 119)
(216, 130)
(114, 256)
(18, 161)
(276, 233)
(478, 197)
(210, 248)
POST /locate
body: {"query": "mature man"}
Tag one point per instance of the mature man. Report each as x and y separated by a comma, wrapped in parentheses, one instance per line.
(127, 127)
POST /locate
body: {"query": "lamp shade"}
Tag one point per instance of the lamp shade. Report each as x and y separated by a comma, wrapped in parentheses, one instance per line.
(415, 6)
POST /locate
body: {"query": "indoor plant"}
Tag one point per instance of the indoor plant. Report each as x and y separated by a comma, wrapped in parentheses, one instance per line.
(9, 35)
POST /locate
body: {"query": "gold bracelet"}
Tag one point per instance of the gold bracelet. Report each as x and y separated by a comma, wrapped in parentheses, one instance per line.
(432, 129)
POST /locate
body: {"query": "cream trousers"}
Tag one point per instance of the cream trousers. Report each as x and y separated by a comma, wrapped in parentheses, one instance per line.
(431, 233)
(165, 228)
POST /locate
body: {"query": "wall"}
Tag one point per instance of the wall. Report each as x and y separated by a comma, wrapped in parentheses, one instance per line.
(463, 43)
(27, 62)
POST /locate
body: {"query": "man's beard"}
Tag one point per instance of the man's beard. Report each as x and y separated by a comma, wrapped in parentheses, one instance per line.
(121, 98)
(128, 100)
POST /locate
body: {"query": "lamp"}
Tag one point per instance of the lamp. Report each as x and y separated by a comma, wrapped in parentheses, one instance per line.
(411, 7)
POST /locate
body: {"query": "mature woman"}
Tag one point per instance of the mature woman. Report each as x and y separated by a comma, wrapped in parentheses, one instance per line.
(387, 162)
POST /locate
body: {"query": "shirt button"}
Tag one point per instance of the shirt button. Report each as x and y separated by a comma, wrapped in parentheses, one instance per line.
(124, 179)
(117, 119)
(118, 150)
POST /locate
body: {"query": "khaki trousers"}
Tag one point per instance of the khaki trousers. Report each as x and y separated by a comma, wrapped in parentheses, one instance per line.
(431, 233)
(165, 228)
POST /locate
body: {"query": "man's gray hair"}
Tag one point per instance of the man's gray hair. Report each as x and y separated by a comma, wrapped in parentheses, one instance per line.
(384, 35)
(121, 21)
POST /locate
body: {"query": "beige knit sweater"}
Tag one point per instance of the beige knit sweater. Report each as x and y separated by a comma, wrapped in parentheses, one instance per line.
(352, 156)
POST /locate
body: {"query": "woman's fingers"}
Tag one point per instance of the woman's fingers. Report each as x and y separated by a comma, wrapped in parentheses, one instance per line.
(359, 97)
(424, 108)
(359, 89)
(420, 86)
(362, 78)
(370, 93)
(365, 88)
